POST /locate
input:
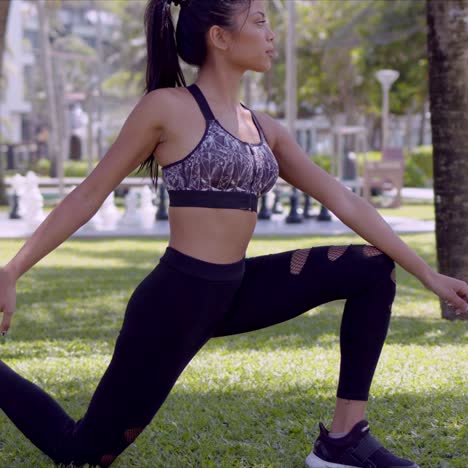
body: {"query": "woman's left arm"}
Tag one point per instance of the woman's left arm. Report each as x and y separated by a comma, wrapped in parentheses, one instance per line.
(357, 213)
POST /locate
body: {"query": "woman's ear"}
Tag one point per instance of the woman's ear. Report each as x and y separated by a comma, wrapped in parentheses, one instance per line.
(219, 37)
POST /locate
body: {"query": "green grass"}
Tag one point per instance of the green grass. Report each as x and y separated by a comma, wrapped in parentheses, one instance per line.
(252, 400)
(414, 211)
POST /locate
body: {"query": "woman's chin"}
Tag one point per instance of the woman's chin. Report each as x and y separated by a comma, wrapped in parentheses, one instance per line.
(261, 68)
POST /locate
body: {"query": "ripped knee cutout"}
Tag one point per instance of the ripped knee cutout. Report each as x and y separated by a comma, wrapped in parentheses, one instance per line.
(131, 434)
(371, 251)
(298, 259)
(106, 460)
(336, 251)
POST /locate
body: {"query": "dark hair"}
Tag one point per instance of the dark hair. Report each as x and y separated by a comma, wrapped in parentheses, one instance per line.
(164, 45)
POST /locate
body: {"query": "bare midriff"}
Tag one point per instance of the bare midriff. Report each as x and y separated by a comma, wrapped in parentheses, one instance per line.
(216, 235)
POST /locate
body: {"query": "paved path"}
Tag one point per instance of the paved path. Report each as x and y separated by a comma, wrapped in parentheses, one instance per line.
(276, 226)
(417, 193)
(273, 227)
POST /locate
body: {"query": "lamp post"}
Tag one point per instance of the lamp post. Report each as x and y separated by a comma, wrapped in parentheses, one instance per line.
(386, 78)
(291, 93)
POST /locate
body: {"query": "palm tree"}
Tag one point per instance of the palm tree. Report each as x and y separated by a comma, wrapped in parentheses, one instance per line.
(4, 10)
(448, 90)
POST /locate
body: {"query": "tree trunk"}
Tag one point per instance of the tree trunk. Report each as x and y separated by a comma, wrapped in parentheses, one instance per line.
(47, 73)
(448, 89)
(408, 144)
(422, 124)
(4, 10)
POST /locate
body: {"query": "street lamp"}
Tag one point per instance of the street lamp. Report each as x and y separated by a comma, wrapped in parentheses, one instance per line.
(291, 96)
(386, 79)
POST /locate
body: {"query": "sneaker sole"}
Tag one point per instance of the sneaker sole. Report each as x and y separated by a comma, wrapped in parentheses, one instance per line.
(312, 461)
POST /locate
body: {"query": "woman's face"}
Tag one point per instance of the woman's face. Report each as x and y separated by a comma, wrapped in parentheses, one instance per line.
(251, 44)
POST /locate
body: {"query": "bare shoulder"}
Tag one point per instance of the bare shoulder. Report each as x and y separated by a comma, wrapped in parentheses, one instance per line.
(169, 107)
(173, 97)
(157, 103)
(271, 127)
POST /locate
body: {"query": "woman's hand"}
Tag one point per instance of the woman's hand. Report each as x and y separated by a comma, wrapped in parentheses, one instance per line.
(451, 290)
(7, 299)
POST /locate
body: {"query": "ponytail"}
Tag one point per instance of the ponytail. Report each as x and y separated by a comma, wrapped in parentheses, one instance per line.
(195, 19)
(162, 67)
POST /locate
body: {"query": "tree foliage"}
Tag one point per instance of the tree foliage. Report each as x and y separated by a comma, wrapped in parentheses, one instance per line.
(340, 45)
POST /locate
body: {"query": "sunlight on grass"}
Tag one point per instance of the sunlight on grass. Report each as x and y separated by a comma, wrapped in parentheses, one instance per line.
(250, 400)
(415, 211)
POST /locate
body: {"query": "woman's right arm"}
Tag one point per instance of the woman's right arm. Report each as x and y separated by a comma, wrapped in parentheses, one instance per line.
(137, 139)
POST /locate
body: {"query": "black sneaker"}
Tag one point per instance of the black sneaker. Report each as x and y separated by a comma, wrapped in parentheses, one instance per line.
(356, 449)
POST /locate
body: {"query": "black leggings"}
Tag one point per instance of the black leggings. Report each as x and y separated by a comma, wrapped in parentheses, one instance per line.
(183, 303)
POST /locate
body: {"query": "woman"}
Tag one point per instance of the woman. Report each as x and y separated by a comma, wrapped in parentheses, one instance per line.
(217, 157)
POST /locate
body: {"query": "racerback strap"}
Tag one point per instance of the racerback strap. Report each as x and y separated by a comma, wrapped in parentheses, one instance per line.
(202, 102)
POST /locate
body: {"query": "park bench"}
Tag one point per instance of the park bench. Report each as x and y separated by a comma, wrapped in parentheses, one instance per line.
(385, 176)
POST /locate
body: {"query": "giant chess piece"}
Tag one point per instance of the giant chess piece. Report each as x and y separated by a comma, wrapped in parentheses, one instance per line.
(109, 213)
(19, 186)
(161, 213)
(14, 207)
(33, 202)
(277, 207)
(307, 202)
(131, 217)
(324, 214)
(294, 216)
(147, 209)
(265, 212)
(95, 223)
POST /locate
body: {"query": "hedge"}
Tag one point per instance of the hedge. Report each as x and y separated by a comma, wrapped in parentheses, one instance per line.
(418, 173)
(418, 165)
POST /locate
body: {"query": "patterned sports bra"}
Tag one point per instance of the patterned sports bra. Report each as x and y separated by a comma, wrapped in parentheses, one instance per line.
(222, 171)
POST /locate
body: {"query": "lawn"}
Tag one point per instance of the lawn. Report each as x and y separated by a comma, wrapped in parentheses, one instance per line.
(421, 211)
(251, 400)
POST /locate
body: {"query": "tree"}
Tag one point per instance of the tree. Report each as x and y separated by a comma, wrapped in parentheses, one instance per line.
(341, 45)
(55, 141)
(4, 10)
(448, 75)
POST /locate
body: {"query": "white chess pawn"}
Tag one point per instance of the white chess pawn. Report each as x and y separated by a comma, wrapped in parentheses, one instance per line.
(109, 213)
(32, 179)
(270, 199)
(147, 209)
(33, 207)
(131, 216)
(34, 201)
(94, 224)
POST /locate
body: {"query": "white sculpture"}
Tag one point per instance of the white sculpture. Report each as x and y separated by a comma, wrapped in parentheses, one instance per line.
(131, 217)
(32, 201)
(109, 213)
(147, 209)
(19, 187)
(95, 223)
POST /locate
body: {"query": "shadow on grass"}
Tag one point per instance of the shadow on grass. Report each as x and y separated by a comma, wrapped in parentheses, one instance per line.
(319, 328)
(322, 329)
(269, 428)
(69, 303)
(157, 246)
(150, 254)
